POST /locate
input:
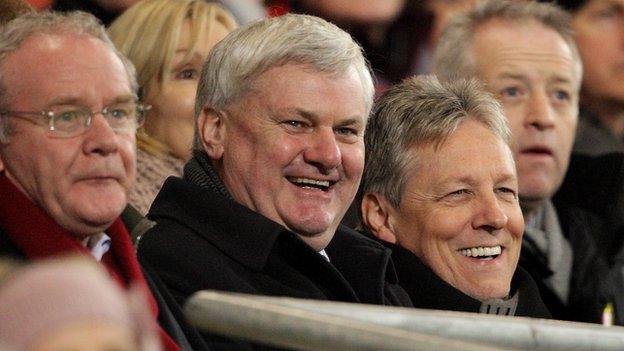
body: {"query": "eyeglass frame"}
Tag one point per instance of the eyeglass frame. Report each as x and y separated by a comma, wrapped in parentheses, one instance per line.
(140, 110)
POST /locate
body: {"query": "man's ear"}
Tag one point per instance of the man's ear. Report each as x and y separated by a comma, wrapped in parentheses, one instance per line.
(211, 129)
(377, 216)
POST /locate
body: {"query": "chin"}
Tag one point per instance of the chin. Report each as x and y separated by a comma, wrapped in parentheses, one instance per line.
(309, 230)
(483, 293)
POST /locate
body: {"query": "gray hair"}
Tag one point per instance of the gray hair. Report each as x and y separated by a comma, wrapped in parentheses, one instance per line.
(454, 57)
(235, 62)
(14, 33)
(421, 111)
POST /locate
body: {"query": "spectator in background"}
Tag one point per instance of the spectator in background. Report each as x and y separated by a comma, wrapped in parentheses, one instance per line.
(71, 304)
(599, 29)
(525, 54)
(440, 182)
(68, 117)
(107, 11)
(168, 42)
(9, 9)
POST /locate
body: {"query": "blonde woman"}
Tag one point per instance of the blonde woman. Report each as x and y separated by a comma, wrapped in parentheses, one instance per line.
(168, 41)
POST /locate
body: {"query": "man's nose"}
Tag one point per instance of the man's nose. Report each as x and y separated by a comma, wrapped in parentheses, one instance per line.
(540, 114)
(490, 216)
(323, 150)
(100, 138)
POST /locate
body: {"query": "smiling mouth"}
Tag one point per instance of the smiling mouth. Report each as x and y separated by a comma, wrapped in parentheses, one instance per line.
(309, 183)
(482, 253)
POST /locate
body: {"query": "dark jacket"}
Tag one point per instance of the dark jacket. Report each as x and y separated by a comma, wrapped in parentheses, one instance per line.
(589, 269)
(203, 240)
(429, 291)
(596, 184)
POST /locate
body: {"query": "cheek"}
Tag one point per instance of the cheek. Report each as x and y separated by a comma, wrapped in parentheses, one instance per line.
(174, 102)
(567, 130)
(516, 222)
(127, 150)
(353, 160)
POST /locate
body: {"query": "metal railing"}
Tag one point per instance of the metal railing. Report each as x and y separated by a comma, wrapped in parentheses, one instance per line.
(322, 325)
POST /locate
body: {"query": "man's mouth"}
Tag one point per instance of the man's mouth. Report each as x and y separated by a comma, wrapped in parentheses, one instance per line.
(482, 252)
(323, 185)
(538, 150)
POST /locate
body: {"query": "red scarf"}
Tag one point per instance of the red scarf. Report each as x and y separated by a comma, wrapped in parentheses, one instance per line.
(38, 236)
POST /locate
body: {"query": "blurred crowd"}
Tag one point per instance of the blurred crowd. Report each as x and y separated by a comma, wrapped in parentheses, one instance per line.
(462, 155)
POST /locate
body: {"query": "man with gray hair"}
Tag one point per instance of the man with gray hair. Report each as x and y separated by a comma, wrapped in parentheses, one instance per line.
(525, 54)
(281, 109)
(440, 187)
(68, 118)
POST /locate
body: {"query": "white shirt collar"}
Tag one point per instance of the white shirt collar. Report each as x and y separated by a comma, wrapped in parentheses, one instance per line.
(99, 245)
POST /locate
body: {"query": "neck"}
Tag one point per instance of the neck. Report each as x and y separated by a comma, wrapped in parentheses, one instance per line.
(318, 242)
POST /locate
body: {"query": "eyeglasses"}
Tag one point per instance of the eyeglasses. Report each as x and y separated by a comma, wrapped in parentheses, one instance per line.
(68, 121)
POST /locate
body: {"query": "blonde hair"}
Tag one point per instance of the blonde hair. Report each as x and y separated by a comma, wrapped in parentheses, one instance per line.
(148, 34)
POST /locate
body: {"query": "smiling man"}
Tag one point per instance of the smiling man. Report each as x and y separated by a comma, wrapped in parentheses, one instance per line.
(447, 198)
(281, 110)
(525, 54)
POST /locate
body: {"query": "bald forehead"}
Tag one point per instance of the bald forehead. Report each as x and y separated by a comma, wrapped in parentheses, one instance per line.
(46, 66)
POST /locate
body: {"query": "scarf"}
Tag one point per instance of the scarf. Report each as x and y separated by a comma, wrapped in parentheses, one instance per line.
(38, 236)
(199, 171)
(547, 238)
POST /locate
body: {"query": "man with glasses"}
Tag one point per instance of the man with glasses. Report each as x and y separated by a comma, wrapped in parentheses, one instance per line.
(68, 117)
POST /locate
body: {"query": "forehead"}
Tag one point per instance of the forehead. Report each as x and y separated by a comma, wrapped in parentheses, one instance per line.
(471, 153)
(51, 66)
(303, 87)
(523, 47)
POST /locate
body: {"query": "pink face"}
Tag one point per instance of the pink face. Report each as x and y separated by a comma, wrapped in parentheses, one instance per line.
(460, 214)
(599, 28)
(81, 182)
(293, 148)
(533, 73)
(171, 120)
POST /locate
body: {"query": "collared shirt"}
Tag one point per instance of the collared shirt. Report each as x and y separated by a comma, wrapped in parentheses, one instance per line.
(98, 244)
(324, 254)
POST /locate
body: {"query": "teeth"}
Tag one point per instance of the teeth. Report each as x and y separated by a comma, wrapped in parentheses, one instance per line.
(481, 251)
(323, 183)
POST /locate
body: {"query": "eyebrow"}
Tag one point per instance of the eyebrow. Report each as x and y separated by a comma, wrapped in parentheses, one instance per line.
(469, 180)
(74, 100)
(511, 75)
(314, 117)
(183, 52)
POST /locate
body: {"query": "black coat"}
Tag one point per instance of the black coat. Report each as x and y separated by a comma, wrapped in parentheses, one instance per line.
(589, 273)
(596, 185)
(429, 291)
(203, 240)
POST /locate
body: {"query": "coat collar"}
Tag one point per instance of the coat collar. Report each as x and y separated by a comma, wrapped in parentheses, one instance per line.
(251, 236)
(361, 260)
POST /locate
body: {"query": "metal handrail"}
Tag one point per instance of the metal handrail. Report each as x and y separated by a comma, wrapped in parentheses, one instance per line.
(258, 320)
